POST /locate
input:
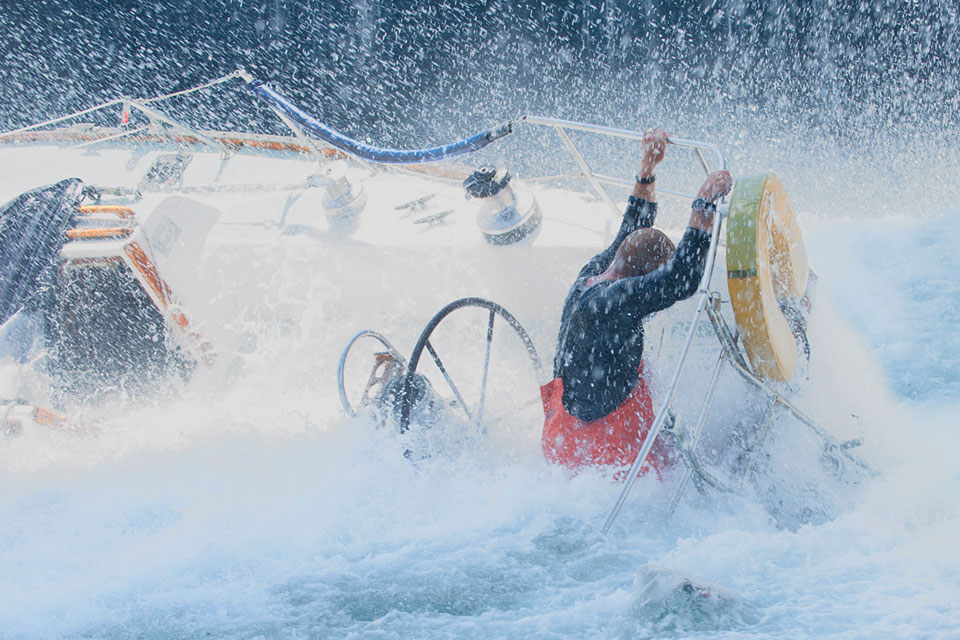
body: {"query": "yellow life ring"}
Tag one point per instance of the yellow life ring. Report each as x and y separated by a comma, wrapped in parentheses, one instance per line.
(766, 263)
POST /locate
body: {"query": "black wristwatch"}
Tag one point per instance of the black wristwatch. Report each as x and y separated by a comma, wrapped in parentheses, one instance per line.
(643, 180)
(702, 206)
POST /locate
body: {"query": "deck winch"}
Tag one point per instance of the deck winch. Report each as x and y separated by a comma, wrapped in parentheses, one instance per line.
(343, 199)
(505, 216)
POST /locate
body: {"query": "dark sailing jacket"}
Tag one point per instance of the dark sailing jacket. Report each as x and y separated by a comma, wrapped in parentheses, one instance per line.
(601, 332)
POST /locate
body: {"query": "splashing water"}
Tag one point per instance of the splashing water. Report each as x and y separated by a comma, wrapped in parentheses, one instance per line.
(258, 510)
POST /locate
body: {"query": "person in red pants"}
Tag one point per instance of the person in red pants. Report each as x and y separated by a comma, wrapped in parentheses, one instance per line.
(598, 407)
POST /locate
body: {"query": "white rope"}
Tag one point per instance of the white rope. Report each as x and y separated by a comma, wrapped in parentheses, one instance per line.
(212, 83)
(61, 119)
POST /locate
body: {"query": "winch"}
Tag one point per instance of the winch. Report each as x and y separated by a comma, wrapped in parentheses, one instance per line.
(342, 198)
(505, 216)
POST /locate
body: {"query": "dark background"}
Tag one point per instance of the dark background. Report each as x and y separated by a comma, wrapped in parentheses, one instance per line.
(396, 72)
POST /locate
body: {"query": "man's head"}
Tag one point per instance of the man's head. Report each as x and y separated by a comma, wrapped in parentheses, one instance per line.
(641, 252)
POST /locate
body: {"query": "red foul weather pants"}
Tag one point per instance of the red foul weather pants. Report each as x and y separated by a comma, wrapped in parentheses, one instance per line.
(613, 440)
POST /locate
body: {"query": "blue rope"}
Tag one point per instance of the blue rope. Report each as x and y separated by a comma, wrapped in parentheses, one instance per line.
(369, 152)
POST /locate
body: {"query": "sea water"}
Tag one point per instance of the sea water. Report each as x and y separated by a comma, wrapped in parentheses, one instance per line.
(260, 510)
(264, 512)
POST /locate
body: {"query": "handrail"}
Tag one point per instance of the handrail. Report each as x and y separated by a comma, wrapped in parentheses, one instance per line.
(596, 180)
(697, 432)
(622, 133)
(739, 364)
(661, 416)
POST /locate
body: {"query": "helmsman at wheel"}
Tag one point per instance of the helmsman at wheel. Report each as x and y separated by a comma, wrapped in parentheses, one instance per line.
(598, 407)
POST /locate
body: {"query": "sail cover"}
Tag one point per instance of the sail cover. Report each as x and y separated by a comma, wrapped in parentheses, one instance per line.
(32, 231)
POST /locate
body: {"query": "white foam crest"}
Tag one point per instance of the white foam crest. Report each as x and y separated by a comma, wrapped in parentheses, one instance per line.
(251, 506)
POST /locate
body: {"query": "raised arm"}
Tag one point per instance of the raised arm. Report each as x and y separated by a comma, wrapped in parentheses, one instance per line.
(642, 204)
(704, 207)
(680, 277)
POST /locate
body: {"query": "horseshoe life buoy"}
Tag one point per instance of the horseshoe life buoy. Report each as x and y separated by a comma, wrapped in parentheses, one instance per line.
(767, 273)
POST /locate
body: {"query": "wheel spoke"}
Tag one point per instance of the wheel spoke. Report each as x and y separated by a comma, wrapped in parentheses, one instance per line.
(486, 368)
(423, 343)
(446, 376)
